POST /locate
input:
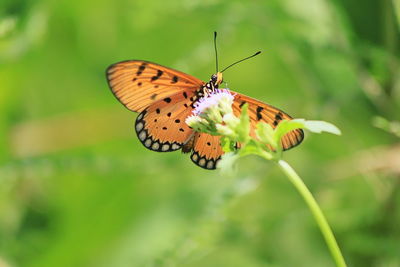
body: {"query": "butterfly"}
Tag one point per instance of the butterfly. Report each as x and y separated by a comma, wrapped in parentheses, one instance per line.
(165, 97)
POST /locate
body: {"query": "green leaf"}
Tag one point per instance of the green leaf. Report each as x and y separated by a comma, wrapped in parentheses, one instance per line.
(321, 126)
(250, 148)
(243, 128)
(313, 126)
(254, 147)
(227, 144)
(286, 126)
(265, 134)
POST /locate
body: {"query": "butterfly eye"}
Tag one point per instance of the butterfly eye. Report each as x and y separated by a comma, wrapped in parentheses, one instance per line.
(214, 78)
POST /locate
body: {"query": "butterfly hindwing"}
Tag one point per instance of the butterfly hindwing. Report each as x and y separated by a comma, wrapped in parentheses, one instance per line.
(261, 112)
(206, 151)
(137, 83)
(161, 126)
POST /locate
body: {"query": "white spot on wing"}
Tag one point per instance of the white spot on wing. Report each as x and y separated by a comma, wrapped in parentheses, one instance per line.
(216, 162)
(142, 135)
(202, 162)
(165, 147)
(175, 146)
(155, 146)
(210, 164)
(148, 142)
(139, 126)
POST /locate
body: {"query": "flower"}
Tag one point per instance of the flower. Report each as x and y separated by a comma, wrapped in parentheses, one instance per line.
(210, 112)
(219, 98)
(198, 123)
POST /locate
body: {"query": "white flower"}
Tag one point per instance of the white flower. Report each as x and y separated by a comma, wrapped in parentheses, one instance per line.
(213, 114)
(219, 98)
(198, 123)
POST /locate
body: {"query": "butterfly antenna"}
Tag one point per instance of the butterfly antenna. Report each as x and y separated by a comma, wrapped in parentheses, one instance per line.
(241, 61)
(216, 53)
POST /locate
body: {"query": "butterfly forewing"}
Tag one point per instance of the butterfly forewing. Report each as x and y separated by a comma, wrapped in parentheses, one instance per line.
(137, 84)
(161, 127)
(261, 112)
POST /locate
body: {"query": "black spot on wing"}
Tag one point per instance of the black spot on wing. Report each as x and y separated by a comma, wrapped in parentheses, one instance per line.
(158, 75)
(241, 104)
(141, 69)
(259, 109)
(174, 79)
(278, 118)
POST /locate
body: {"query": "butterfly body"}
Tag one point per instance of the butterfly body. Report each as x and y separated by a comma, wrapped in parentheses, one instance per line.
(165, 97)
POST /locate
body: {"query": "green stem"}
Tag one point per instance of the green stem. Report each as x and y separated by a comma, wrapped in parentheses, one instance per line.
(316, 211)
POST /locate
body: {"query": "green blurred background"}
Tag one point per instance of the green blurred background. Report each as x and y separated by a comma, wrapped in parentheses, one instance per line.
(78, 189)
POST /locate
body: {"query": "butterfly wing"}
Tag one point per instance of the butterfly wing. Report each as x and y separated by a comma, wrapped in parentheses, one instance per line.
(163, 96)
(161, 126)
(262, 112)
(137, 84)
(206, 151)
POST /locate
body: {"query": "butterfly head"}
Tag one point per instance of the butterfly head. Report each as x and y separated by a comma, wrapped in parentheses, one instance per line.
(210, 87)
(216, 79)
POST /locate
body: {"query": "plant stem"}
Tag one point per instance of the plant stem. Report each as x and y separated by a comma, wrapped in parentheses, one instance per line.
(316, 211)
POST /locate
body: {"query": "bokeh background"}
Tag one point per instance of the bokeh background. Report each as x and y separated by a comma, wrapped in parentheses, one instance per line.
(78, 189)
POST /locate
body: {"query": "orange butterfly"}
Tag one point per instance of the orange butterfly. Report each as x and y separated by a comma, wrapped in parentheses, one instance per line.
(165, 98)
